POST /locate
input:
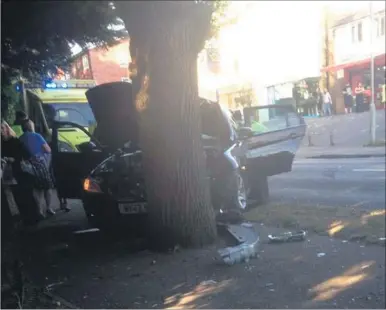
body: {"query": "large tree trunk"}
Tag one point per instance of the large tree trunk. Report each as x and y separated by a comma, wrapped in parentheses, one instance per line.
(180, 211)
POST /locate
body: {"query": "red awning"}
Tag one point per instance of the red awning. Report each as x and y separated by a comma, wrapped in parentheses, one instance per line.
(378, 61)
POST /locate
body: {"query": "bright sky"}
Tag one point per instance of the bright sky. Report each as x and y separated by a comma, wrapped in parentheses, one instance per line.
(278, 41)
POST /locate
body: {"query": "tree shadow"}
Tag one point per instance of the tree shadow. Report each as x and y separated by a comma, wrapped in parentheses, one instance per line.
(197, 298)
(332, 287)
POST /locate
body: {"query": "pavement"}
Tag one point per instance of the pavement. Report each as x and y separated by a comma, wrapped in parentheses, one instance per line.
(332, 182)
(320, 272)
(331, 152)
(91, 270)
(349, 133)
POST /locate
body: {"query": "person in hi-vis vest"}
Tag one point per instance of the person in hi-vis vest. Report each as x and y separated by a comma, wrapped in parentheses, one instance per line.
(256, 125)
(20, 118)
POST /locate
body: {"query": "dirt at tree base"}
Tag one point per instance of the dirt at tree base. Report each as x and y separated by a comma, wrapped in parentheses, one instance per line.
(319, 272)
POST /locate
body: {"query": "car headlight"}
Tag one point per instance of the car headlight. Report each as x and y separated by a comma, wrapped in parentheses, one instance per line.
(65, 147)
(91, 185)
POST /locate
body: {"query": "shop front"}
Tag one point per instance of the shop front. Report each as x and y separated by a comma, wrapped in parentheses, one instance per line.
(302, 94)
(236, 96)
(360, 72)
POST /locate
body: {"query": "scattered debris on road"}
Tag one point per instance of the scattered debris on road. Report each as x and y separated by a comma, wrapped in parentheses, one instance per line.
(247, 247)
(288, 237)
(208, 282)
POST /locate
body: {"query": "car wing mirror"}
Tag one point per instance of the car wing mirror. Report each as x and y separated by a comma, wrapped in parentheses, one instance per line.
(87, 147)
(245, 132)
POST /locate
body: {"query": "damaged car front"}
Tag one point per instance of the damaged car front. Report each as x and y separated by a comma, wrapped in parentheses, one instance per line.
(108, 176)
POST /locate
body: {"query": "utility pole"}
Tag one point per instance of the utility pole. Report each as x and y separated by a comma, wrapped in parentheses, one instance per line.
(373, 119)
(326, 17)
(23, 92)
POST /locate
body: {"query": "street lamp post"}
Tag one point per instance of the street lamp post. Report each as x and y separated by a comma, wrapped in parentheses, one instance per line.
(372, 87)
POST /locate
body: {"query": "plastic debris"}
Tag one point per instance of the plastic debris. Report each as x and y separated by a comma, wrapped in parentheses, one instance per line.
(238, 254)
(49, 287)
(247, 248)
(86, 231)
(208, 282)
(247, 225)
(288, 237)
(320, 254)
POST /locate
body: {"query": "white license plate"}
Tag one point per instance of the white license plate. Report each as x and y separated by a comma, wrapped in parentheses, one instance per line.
(132, 208)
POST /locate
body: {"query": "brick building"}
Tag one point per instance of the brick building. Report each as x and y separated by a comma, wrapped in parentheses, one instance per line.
(103, 65)
(350, 47)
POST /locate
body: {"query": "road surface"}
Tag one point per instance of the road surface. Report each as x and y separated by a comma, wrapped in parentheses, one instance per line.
(333, 182)
(349, 130)
(90, 270)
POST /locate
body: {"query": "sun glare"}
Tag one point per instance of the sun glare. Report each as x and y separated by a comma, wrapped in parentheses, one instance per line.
(273, 42)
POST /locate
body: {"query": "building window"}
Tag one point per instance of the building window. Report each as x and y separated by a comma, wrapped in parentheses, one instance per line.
(353, 34)
(126, 79)
(360, 35)
(236, 66)
(74, 70)
(122, 59)
(382, 26)
(85, 64)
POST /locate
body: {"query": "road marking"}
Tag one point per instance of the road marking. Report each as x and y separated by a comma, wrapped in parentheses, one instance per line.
(359, 204)
(369, 170)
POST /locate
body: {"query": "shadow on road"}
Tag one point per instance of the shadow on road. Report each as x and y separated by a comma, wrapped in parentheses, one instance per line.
(95, 270)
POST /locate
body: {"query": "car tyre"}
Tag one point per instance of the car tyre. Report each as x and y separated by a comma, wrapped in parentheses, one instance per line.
(239, 192)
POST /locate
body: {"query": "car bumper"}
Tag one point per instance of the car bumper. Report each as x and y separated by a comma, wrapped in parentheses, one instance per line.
(103, 212)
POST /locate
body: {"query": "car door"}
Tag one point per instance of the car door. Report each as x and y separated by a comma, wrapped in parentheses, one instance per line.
(70, 166)
(277, 134)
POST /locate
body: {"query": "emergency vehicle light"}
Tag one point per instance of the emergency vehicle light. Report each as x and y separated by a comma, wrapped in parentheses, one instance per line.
(56, 84)
(50, 85)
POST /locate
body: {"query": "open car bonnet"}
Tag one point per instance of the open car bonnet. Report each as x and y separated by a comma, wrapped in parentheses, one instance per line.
(115, 113)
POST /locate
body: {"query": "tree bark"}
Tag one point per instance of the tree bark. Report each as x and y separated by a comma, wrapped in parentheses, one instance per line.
(180, 211)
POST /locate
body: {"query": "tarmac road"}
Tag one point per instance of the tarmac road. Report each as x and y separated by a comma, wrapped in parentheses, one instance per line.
(93, 271)
(334, 182)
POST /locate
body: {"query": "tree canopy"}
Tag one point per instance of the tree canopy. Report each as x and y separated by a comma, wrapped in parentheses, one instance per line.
(36, 35)
(165, 38)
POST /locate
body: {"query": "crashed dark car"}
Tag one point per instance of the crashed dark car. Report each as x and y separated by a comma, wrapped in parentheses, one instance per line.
(107, 175)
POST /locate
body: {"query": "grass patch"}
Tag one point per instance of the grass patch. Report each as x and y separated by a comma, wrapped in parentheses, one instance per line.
(378, 143)
(349, 223)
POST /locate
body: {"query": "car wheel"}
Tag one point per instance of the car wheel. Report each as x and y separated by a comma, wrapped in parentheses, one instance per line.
(260, 190)
(241, 193)
(237, 193)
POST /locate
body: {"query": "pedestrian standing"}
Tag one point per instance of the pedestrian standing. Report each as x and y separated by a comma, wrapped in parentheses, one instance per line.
(327, 103)
(40, 153)
(13, 153)
(359, 97)
(348, 98)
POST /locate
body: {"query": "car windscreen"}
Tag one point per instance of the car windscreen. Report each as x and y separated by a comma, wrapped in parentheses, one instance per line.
(79, 113)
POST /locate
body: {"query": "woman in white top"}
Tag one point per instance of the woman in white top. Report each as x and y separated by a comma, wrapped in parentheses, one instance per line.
(327, 103)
